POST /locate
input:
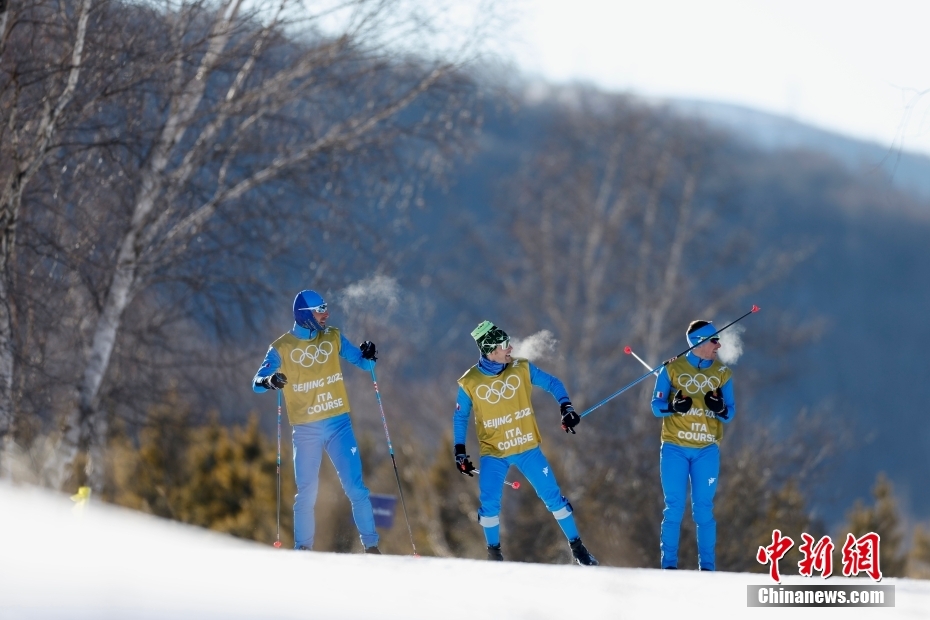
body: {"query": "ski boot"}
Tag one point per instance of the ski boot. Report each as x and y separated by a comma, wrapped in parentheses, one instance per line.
(581, 554)
(494, 553)
(373, 550)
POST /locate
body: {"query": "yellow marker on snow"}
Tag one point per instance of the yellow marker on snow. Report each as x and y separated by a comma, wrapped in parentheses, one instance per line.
(81, 498)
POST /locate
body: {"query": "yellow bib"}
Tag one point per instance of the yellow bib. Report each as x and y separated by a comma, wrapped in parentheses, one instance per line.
(504, 417)
(315, 389)
(698, 427)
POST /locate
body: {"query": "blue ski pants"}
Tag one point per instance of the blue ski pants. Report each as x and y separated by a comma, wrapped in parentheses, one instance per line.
(335, 435)
(678, 465)
(535, 467)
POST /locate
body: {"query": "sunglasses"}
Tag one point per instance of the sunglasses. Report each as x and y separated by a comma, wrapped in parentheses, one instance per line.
(502, 344)
(318, 309)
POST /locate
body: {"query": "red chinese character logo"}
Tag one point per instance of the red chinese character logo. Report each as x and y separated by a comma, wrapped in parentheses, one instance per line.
(816, 557)
(862, 556)
(774, 552)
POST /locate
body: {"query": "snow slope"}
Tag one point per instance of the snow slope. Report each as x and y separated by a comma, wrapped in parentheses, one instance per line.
(114, 563)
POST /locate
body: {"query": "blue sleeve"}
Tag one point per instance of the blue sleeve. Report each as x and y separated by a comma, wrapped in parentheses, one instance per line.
(660, 395)
(728, 399)
(271, 364)
(353, 354)
(549, 383)
(460, 417)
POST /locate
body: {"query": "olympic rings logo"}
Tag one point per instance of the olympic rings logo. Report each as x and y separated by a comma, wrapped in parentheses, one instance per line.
(312, 354)
(493, 393)
(698, 383)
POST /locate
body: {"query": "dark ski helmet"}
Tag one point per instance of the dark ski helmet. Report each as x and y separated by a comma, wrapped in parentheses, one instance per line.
(304, 305)
(487, 336)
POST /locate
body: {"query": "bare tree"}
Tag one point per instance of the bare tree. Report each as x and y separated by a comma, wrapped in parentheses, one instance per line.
(37, 85)
(620, 234)
(221, 103)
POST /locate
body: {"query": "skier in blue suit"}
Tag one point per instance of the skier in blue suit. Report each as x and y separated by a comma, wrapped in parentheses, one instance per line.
(304, 362)
(694, 397)
(498, 391)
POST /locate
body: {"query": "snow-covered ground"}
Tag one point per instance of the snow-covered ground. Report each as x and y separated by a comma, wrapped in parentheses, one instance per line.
(114, 563)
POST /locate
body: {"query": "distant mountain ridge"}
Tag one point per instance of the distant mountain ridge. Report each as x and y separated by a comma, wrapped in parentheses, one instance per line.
(909, 172)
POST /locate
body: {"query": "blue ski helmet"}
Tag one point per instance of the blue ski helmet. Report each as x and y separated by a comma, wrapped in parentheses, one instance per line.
(304, 305)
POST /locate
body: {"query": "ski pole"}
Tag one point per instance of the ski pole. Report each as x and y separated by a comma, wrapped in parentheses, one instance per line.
(754, 309)
(514, 485)
(277, 540)
(629, 351)
(374, 380)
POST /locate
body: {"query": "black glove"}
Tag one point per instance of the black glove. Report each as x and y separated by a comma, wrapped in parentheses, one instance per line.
(273, 382)
(570, 419)
(369, 352)
(461, 461)
(681, 403)
(714, 402)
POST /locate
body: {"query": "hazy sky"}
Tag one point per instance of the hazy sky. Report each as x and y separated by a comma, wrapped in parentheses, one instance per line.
(854, 67)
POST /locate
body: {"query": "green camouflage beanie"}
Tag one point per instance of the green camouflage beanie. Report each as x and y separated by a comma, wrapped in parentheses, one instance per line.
(487, 336)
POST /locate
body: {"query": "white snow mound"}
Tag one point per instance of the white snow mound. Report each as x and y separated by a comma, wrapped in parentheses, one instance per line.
(115, 563)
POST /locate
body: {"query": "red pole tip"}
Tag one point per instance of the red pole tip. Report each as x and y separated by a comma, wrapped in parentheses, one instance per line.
(755, 308)
(627, 350)
(516, 485)
(277, 544)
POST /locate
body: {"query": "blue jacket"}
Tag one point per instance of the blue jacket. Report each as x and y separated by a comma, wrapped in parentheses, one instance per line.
(663, 386)
(272, 362)
(463, 404)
